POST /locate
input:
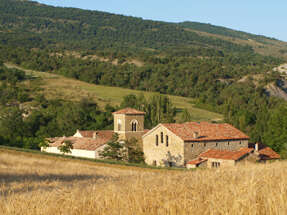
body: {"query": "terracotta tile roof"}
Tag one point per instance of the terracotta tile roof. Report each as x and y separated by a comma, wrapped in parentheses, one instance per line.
(265, 152)
(145, 131)
(129, 111)
(268, 153)
(197, 161)
(205, 131)
(225, 154)
(84, 143)
(101, 134)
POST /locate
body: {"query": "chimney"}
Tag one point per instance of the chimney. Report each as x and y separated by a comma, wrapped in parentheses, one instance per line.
(256, 147)
(95, 135)
(195, 135)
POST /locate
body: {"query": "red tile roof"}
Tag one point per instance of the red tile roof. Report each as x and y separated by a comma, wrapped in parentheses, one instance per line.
(101, 134)
(197, 161)
(145, 131)
(84, 143)
(206, 131)
(266, 153)
(129, 111)
(225, 154)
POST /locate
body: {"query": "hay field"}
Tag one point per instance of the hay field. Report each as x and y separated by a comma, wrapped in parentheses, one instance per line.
(38, 184)
(56, 86)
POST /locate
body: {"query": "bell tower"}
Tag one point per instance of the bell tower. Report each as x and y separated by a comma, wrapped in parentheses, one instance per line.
(129, 123)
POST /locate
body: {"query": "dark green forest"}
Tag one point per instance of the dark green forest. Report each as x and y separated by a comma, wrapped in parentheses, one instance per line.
(174, 61)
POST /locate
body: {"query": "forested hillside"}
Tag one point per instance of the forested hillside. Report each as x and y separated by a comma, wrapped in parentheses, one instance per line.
(195, 60)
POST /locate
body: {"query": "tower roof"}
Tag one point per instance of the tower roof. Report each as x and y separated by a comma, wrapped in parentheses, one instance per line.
(129, 111)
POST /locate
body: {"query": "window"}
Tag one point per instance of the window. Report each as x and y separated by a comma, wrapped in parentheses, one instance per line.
(215, 164)
(166, 141)
(216, 144)
(170, 164)
(161, 137)
(156, 140)
(228, 143)
(134, 126)
(154, 163)
(204, 144)
(191, 145)
(240, 142)
(119, 124)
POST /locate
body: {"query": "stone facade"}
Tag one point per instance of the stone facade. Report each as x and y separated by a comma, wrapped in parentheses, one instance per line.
(164, 153)
(213, 162)
(193, 149)
(179, 152)
(129, 126)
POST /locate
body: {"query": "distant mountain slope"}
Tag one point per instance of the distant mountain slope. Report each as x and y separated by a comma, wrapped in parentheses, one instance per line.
(31, 24)
(260, 44)
(218, 30)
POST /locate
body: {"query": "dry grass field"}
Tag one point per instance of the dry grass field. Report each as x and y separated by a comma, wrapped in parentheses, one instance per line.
(39, 184)
(56, 86)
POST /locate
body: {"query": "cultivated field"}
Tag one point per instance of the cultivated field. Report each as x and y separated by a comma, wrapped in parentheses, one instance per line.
(37, 184)
(56, 86)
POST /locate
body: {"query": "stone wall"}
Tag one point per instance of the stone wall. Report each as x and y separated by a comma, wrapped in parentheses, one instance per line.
(193, 149)
(126, 126)
(126, 122)
(163, 155)
(223, 163)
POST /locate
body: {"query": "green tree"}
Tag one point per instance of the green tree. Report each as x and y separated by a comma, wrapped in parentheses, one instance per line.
(134, 153)
(114, 149)
(66, 147)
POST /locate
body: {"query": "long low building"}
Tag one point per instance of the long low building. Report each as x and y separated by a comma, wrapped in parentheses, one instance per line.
(87, 144)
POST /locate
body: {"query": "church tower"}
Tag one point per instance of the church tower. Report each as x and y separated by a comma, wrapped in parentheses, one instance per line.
(129, 123)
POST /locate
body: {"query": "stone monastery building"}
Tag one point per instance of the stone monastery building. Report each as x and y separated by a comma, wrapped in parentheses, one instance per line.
(190, 144)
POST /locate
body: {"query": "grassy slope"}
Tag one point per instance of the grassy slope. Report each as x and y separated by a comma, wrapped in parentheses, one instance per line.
(265, 46)
(34, 184)
(56, 86)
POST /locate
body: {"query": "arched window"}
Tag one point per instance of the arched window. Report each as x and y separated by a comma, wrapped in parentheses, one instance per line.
(134, 125)
(161, 137)
(166, 141)
(156, 140)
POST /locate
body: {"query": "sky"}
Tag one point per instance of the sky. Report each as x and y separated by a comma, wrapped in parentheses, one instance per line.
(264, 17)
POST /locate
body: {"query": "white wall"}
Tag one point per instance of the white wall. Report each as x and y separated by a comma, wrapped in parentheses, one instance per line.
(76, 152)
(77, 134)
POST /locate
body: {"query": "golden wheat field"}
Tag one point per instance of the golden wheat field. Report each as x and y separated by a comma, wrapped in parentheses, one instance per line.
(38, 184)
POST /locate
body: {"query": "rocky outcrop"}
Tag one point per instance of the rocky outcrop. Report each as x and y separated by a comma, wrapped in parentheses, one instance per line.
(278, 89)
